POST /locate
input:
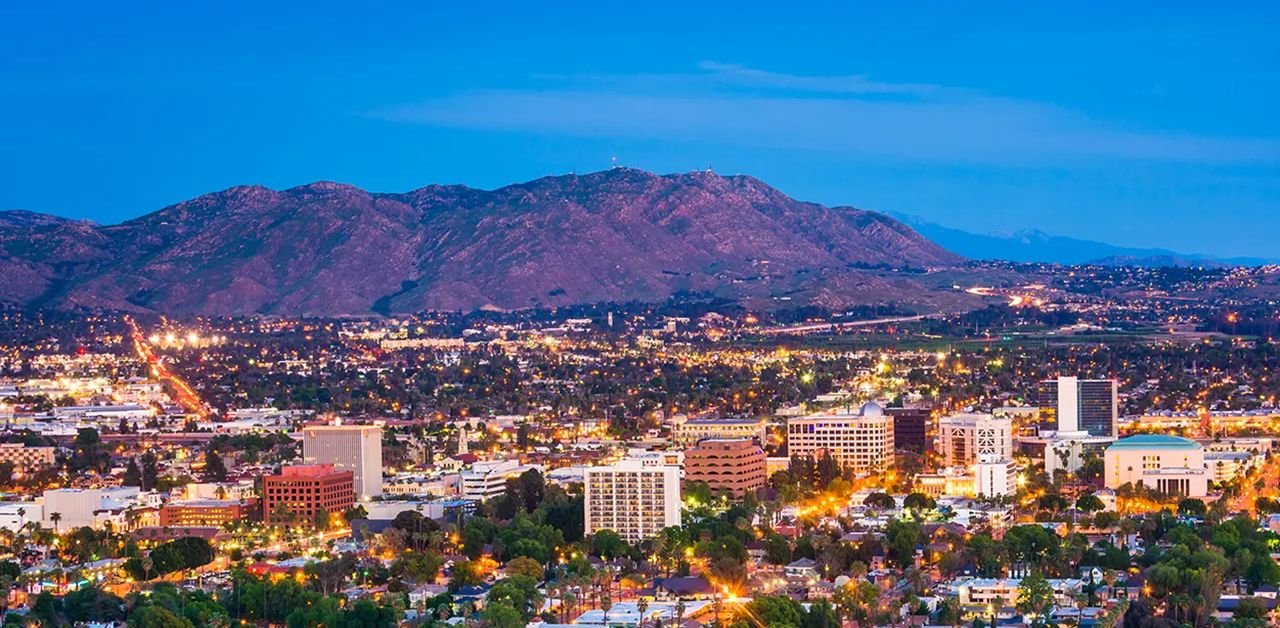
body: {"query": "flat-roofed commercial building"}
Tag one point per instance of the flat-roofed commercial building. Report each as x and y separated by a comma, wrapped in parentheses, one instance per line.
(298, 492)
(632, 499)
(694, 430)
(734, 466)
(861, 440)
(912, 429)
(1072, 404)
(206, 512)
(357, 448)
(1169, 464)
(964, 438)
(24, 457)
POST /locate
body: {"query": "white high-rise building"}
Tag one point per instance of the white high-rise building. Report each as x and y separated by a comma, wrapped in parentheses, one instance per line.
(963, 438)
(357, 448)
(861, 440)
(632, 499)
(994, 477)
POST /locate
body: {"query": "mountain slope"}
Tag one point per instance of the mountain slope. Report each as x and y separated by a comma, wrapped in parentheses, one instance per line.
(1036, 246)
(333, 249)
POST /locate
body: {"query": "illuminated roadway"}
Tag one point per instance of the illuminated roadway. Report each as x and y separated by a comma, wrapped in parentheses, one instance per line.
(186, 396)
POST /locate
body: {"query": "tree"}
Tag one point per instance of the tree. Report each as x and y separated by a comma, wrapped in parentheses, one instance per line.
(879, 500)
(1035, 598)
(320, 520)
(525, 566)
(820, 615)
(91, 603)
(158, 617)
(46, 608)
(1191, 507)
(464, 574)
(530, 489)
(608, 545)
(214, 469)
(1090, 503)
(497, 615)
(518, 592)
(901, 537)
(918, 502)
(774, 611)
(150, 471)
(56, 518)
(355, 512)
(132, 474)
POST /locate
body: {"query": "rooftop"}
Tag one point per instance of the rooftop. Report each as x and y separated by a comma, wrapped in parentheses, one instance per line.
(1154, 441)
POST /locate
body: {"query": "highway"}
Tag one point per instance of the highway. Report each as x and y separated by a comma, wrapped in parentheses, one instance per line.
(185, 395)
(822, 327)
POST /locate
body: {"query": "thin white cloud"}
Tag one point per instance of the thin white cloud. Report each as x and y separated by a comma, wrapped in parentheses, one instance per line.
(846, 84)
(848, 115)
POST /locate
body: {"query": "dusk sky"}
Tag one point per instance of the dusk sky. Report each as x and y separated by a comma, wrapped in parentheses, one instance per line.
(1152, 124)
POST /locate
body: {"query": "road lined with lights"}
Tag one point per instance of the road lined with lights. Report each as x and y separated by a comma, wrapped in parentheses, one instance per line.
(186, 396)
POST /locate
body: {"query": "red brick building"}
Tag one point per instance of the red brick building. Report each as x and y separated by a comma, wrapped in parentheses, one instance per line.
(734, 466)
(207, 512)
(304, 489)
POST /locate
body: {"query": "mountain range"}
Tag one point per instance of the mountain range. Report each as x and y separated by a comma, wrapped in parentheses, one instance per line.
(334, 249)
(1037, 246)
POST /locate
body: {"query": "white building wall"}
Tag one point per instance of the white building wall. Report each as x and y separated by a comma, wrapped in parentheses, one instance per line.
(357, 448)
(631, 499)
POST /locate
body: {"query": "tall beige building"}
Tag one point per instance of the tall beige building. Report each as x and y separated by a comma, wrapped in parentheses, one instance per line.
(632, 499)
(965, 438)
(859, 440)
(357, 448)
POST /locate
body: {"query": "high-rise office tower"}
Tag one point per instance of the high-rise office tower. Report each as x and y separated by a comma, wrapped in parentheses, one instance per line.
(357, 448)
(1072, 405)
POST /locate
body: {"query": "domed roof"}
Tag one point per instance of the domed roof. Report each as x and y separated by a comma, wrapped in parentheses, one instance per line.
(871, 408)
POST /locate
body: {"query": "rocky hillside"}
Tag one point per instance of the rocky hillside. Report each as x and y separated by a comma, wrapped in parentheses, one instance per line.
(332, 249)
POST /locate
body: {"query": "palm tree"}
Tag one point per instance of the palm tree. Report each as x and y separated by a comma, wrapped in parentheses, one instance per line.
(55, 517)
(642, 605)
(680, 608)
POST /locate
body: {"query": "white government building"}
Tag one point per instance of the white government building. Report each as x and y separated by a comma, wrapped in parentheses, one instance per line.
(1169, 464)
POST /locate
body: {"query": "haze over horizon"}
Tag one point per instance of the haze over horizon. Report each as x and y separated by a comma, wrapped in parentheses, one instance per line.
(1133, 126)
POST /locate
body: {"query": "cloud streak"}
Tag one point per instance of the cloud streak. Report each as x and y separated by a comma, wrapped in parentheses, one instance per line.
(852, 115)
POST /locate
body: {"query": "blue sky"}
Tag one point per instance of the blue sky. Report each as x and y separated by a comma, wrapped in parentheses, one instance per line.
(1150, 124)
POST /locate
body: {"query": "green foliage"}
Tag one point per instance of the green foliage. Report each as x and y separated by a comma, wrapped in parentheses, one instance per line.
(1035, 597)
(517, 592)
(184, 553)
(214, 469)
(784, 612)
(880, 500)
(919, 502)
(501, 616)
(525, 536)
(1192, 507)
(609, 545)
(92, 604)
(417, 566)
(1090, 503)
(901, 537)
(157, 617)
